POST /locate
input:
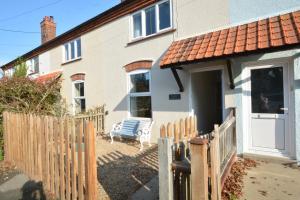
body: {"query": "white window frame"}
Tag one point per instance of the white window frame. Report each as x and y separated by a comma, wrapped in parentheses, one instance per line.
(138, 94)
(76, 57)
(73, 94)
(143, 35)
(31, 68)
(9, 72)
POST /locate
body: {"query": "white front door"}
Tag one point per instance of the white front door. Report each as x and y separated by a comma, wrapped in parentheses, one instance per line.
(268, 106)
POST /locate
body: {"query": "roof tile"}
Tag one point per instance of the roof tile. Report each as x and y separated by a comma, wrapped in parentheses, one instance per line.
(46, 78)
(263, 34)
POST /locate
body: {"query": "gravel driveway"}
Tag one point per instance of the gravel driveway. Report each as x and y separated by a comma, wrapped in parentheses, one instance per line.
(123, 168)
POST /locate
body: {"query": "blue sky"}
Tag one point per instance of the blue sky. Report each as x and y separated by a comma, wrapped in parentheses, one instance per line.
(27, 15)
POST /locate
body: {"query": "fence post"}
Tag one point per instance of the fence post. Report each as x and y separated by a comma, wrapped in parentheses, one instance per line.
(215, 166)
(90, 163)
(199, 169)
(165, 171)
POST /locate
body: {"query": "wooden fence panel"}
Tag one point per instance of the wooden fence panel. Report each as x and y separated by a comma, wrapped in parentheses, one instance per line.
(62, 159)
(56, 156)
(73, 163)
(50, 150)
(90, 162)
(80, 160)
(67, 148)
(47, 161)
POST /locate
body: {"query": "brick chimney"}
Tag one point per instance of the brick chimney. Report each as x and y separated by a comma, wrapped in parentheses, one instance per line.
(48, 29)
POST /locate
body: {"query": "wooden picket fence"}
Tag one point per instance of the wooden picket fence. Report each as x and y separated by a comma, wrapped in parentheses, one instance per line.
(193, 166)
(97, 116)
(56, 151)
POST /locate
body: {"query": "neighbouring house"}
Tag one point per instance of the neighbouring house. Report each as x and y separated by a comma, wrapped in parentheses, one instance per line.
(172, 58)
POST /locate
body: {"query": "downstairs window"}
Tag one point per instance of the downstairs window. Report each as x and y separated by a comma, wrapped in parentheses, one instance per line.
(140, 94)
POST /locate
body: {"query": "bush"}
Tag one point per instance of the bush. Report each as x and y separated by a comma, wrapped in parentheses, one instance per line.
(21, 94)
(21, 68)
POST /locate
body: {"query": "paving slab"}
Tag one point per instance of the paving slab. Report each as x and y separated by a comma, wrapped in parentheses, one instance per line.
(20, 187)
(12, 189)
(14, 183)
(272, 179)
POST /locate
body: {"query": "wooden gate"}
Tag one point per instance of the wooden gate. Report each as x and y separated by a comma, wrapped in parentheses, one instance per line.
(193, 166)
(97, 116)
(56, 151)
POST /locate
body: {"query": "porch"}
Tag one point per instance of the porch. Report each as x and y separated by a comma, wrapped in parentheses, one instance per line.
(261, 60)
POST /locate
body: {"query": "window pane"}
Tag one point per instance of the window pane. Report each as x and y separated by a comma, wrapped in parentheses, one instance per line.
(72, 50)
(66, 52)
(140, 107)
(137, 25)
(79, 105)
(79, 89)
(140, 82)
(164, 15)
(78, 47)
(267, 94)
(150, 20)
(36, 64)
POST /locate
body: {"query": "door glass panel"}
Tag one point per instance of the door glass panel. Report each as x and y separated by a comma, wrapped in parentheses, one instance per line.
(267, 95)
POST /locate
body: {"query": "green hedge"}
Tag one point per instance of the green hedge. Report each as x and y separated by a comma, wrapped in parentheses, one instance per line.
(21, 94)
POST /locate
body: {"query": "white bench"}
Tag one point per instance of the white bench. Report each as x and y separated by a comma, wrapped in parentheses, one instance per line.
(133, 129)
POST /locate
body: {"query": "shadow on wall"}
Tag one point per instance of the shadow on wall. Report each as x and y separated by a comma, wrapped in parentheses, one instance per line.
(161, 88)
(121, 175)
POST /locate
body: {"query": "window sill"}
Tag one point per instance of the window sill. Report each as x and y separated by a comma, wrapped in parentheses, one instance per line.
(71, 61)
(33, 73)
(141, 118)
(171, 30)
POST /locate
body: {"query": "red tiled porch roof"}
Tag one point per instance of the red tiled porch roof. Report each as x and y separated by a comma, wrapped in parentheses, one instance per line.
(48, 77)
(270, 33)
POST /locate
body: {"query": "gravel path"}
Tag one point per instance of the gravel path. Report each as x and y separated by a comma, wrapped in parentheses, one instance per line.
(123, 168)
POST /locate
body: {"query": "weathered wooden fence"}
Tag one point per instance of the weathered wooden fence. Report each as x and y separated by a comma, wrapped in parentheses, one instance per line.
(97, 116)
(55, 151)
(193, 166)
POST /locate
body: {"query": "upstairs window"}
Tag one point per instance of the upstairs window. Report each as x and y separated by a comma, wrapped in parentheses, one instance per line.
(164, 15)
(72, 50)
(9, 72)
(78, 97)
(137, 24)
(140, 94)
(34, 65)
(152, 20)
